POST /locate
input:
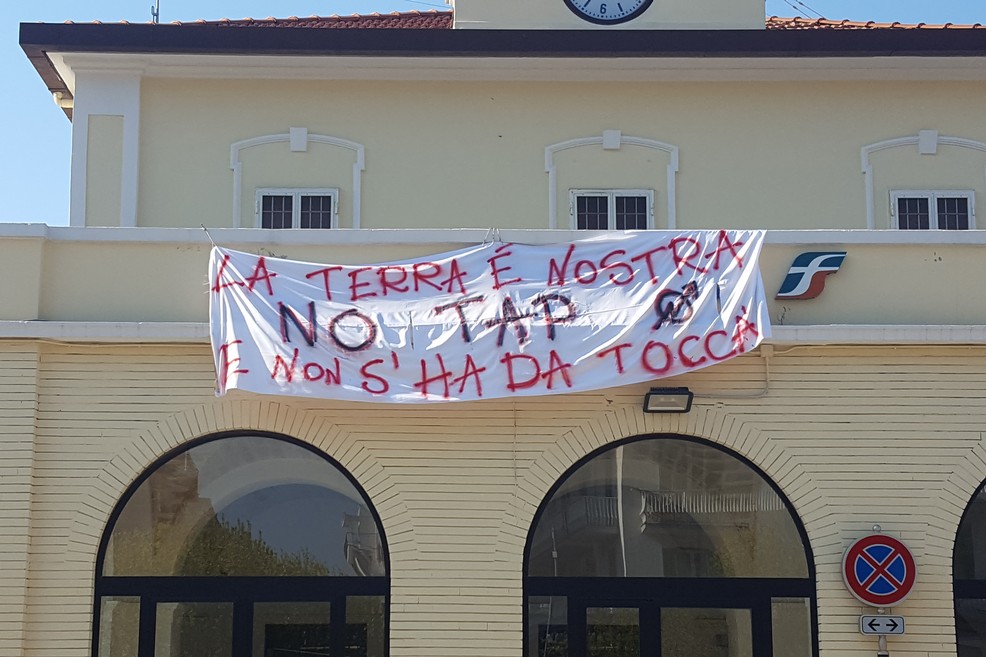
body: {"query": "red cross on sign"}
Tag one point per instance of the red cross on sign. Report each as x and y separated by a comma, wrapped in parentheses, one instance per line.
(879, 570)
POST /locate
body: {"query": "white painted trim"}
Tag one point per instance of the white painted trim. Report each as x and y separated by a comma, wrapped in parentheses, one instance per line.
(130, 184)
(299, 140)
(108, 94)
(296, 193)
(106, 331)
(889, 334)
(612, 140)
(80, 157)
(198, 332)
(860, 237)
(451, 236)
(928, 142)
(933, 195)
(234, 163)
(869, 149)
(611, 196)
(551, 69)
(549, 167)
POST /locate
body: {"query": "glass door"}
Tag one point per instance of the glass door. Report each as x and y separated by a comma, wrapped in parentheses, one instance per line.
(702, 632)
(350, 627)
(595, 628)
(193, 629)
(244, 625)
(290, 629)
(612, 632)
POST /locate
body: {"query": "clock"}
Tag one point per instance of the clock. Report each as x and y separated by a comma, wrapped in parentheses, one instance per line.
(608, 12)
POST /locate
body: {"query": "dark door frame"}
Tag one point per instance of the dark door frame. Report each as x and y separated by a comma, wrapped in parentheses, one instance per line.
(651, 594)
(242, 593)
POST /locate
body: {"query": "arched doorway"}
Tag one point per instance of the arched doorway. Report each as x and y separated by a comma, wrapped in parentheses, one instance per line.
(969, 571)
(665, 546)
(242, 545)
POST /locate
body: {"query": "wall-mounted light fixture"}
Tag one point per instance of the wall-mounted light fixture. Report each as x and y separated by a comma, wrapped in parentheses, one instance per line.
(668, 400)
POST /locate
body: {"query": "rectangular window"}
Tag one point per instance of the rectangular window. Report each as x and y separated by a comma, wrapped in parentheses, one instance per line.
(932, 210)
(297, 208)
(612, 209)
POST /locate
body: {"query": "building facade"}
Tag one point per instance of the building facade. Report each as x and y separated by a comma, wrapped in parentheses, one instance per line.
(144, 515)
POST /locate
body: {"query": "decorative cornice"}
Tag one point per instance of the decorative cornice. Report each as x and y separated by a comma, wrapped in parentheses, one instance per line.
(198, 333)
(251, 237)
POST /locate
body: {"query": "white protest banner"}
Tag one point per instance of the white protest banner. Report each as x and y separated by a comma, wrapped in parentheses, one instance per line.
(493, 320)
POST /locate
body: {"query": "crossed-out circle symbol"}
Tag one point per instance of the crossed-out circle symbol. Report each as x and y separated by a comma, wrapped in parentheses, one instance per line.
(879, 570)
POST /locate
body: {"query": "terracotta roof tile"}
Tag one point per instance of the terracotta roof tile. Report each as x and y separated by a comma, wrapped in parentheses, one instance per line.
(442, 20)
(798, 23)
(415, 20)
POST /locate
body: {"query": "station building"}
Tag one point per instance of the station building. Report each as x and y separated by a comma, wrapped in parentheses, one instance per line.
(143, 516)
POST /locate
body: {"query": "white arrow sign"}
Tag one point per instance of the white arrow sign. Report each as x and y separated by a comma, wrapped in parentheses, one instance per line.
(881, 624)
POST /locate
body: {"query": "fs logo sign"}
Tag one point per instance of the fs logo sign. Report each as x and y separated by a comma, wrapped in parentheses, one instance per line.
(806, 277)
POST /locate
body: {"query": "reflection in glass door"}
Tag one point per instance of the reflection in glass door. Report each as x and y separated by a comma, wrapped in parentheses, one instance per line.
(348, 626)
(706, 633)
(193, 629)
(612, 632)
(648, 630)
(547, 634)
(290, 629)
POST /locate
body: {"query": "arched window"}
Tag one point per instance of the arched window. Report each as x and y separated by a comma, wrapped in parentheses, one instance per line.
(243, 545)
(969, 570)
(667, 546)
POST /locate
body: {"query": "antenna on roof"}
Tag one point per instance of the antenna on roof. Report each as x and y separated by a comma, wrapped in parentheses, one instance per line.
(156, 12)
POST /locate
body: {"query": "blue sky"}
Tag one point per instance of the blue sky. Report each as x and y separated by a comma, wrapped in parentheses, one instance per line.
(34, 186)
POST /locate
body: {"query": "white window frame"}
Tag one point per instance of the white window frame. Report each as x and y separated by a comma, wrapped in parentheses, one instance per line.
(296, 193)
(611, 195)
(932, 195)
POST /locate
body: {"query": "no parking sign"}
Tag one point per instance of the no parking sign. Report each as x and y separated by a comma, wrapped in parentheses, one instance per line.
(879, 570)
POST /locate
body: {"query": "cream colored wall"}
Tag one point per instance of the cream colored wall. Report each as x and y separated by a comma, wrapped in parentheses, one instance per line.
(662, 14)
(166, 282)
(853, 436)
(148, 282)
(104, 169)
(18, 422)
(882, 285)
(753, 155)
(22, 265)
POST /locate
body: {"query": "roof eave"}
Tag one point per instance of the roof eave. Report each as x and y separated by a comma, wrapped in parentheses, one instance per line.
(215, 39)
(38, 39)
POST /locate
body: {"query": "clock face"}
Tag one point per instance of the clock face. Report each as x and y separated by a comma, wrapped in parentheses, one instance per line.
(608, 12)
